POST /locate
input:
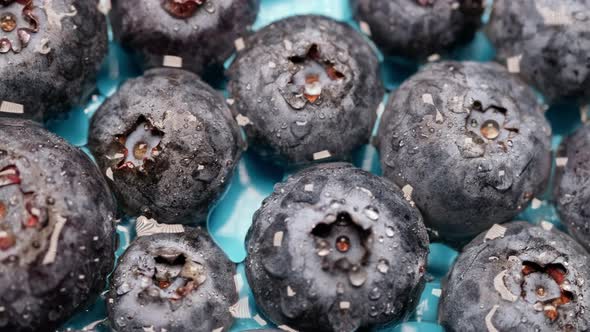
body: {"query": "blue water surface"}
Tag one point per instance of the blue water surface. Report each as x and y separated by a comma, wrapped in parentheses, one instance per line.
(254, 180)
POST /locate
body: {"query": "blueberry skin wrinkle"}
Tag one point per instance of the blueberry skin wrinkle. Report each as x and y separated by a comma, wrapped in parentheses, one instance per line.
(549, 40)
(284, 125)
(419, 28)
(304, 276)
(202, 297)
(463, 174)
(58, 67)
(198, 148)
(571, 191)
(50, 192)
(205, 37)
(510, 283)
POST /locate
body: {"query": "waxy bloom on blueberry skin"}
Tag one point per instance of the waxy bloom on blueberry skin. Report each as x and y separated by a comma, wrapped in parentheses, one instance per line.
(307, 88)
(168, 144)
(50, 53)
(470, 142)
(57, 236)
(418, 28)
(202, 32)
(331, 248)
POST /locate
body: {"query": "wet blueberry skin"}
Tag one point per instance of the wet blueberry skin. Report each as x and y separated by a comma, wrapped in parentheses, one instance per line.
(551, 41)
(202, 34)
(169, 143)
(419, 28)
(571, 191)
(58, 66)
(531, 279)
(52, 200)
(471, 143)
(177, 282)
(306, 85)
(335, 248)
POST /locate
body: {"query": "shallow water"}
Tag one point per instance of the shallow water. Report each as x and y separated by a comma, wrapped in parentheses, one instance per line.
(254, 180)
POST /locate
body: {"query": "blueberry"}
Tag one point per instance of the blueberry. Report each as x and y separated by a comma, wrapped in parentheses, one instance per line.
(56, 228)
(172, 282)
(571, 190)
(419, 28)
(335, 248)
(168, 143)
(202, 32)
(518, 277)
(469, 142)
(306, 88)
(50, 52)
(546, 41)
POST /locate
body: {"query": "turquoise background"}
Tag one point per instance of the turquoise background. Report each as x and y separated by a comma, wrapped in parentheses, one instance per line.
(254, 180)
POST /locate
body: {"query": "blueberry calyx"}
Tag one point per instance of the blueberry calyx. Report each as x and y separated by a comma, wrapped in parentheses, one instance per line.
(182, 8)
(546, 287)
(139, 145)
(490, 125)
(312, 75)
(343, 245)
(8, 23)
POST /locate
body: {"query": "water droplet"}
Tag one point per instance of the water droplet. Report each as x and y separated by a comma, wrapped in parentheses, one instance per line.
(389, 231)
(357, 276)
(374, 294)
(371, 213)
(383, 266)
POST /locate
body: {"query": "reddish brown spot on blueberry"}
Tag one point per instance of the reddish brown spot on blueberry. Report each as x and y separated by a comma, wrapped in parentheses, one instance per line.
(7, 241)
(343, 244)
(163, 284)
(3, 210)
(182, 8)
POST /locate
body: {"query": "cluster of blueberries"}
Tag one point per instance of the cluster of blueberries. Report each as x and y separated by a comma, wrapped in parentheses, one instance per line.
(464, 148)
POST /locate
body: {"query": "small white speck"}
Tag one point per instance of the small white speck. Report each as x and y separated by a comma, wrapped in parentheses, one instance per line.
(536, 203)
(546, 225)
(561, 161)
(104, 6)
(259, 320)
(243, 120)
(433, 57)
(513, 64)
(290, 291)
(219, 329)
(200, 167)
(109, 174)
(501, 173)
(230, 101)
(286, 328)
(239, 44)
(427, 99)
(322, 155)
(365, 27)
(172, 61)
(380, 109)
(277, 239)
(344, 305)
(436, 292)
(308, 187)
(408, 190)
(272, 65)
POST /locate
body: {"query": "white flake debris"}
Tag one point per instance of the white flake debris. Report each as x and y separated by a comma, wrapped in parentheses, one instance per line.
(584, 112)
(230, 101)
(560, 161)
(219, 329)
(308, 187)
(344, 305)
(427, 99)
(145, 227)
(238, 281)
(105, 6)
(43, 47)
(172, 61)
(536, 203)
(436, 292)
(439, 117)
(286, 328)
(322, 155)
(239, 44)
(288, 44)
(365, 27)
(501, 288)
(272, 65)
(497, 231)
(433, 57)
(366, 191)
(243, 120)
(109, 174)
(488, 319)
(277, 240)
(513, 64)
(408, 190)
(13, 108)
(53, 240)
(380, 109)
(259, 320)
(290, 291)
(546, 225)
(241, 309)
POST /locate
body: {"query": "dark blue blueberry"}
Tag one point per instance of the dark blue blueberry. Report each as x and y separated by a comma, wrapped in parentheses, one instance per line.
(201, 32)
(469, 142)
(419, 28)
(172, 282)
(335, 248)
(518, 277)
(168, 144)
(57, 236)
(571, 190)
(546, 41)
(50, 52)
(306, 88)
